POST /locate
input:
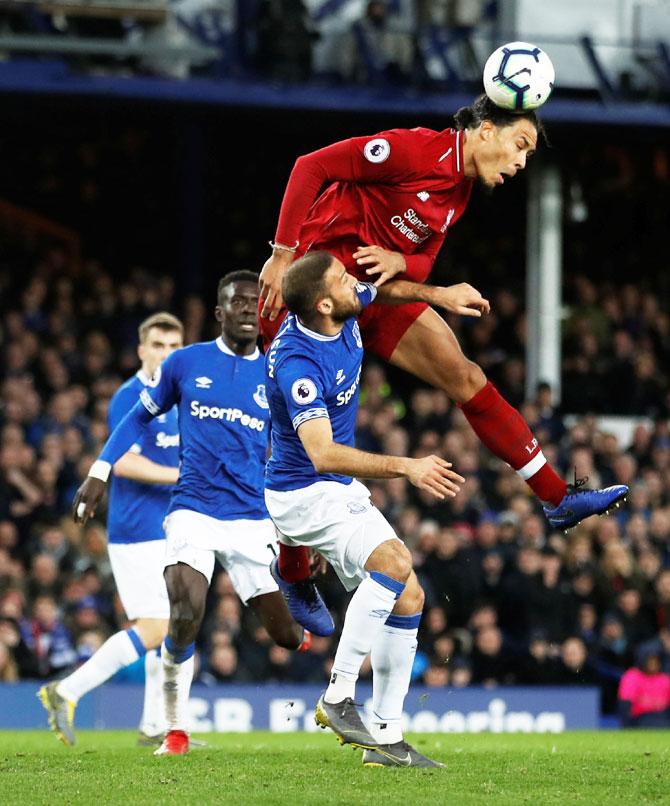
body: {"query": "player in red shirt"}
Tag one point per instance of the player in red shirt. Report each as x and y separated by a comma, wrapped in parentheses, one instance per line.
(388, 204)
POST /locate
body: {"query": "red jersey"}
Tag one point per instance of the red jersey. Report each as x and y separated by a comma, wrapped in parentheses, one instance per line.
(400, 189)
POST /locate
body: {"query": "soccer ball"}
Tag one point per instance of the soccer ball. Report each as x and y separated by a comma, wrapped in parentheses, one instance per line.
(518, 76)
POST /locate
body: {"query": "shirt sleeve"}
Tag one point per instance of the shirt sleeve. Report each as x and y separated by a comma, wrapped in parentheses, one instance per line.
(366, 293)
(162, 397)
(389, 156)
(299, 381)
(152, 402)
(126, 434)
(420, 264)
(119, 406)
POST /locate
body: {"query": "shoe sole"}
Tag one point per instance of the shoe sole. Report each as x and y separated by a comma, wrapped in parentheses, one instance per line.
(321, 719)
(43, 697)
(612, 505)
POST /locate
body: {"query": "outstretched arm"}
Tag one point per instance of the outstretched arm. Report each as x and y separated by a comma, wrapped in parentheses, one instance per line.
(462, 298)
(431, 473)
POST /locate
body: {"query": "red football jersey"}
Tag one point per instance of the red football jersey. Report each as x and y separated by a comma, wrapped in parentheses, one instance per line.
(400, 189)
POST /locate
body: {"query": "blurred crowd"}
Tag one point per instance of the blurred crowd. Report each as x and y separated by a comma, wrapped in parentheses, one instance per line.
(508, 600)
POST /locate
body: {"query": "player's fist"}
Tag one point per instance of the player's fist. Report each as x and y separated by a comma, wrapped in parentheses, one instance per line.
(462, 299)
(87, 499)
(435, 476)
(380, 261)
(272, 274)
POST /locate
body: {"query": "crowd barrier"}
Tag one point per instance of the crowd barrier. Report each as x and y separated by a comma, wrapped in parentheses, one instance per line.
(290, 707)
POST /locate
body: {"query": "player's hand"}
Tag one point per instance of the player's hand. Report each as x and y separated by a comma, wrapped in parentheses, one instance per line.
(434, 475)
(87, 499)
(272, 273)
(462, 299)
(380, 261)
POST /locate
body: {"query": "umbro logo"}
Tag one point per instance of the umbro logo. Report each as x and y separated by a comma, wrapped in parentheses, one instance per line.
(424, 195)
(340, 376)
(203, 382)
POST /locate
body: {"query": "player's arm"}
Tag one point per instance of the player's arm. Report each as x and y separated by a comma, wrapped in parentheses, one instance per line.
(387, 264)
(136, 467)
(461, 298)
(430, 473)
(127, 432)
(352, 160)
(133, 465)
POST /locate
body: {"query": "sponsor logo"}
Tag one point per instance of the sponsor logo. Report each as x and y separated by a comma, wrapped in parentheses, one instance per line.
(203, 382)
(340, 376)
(345, 396)
(303, 391)
(260, 397)
(164, 440)
(423, 195)
(203, 412)
(411, 226)
(377, 150)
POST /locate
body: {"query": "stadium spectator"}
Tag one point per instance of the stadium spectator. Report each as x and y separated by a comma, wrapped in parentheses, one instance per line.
(644, 694)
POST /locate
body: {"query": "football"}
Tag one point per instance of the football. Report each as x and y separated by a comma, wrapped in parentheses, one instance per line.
(518, 76)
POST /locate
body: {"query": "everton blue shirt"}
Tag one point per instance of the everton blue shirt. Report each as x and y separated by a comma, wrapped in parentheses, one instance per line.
(137, 510)
(223, 418)
(308, 376)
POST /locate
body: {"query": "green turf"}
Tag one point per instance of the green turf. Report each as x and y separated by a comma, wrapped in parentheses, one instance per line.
(264, 768)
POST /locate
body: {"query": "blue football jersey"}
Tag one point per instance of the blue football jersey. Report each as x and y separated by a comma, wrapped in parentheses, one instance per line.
(223, 426)
(136, 510)
(310, 375)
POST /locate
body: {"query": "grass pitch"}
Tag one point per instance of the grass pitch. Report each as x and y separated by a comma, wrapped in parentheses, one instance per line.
(264, 768)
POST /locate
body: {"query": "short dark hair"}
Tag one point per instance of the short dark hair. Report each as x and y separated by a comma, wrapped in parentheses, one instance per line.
(303, 285)
(483, 108)
(241, 276)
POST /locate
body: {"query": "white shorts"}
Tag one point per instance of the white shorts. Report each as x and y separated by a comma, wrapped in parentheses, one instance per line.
(244, 548)
(138, 573)
(338, 520)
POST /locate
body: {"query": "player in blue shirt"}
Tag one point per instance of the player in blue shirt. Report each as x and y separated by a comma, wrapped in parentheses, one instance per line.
(313, 371)
(217, 509)
(139, 498)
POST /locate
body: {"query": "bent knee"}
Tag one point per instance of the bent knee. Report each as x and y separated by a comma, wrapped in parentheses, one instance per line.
(412, 600)
(462, 380)
(392, 559)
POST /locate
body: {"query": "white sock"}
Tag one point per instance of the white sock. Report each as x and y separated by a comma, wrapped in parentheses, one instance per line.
(392, 659)
(122, 649)
(153, 715)
(369, 608)
(178, 668)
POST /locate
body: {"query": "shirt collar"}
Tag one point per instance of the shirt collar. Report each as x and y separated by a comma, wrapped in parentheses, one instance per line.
(221, 344)
(146, 380)
(313, 334)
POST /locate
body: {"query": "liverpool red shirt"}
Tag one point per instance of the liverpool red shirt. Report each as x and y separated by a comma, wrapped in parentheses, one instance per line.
(400, 189)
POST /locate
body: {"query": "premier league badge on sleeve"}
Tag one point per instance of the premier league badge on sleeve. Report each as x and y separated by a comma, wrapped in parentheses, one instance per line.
(377, 150)
(303, 391)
